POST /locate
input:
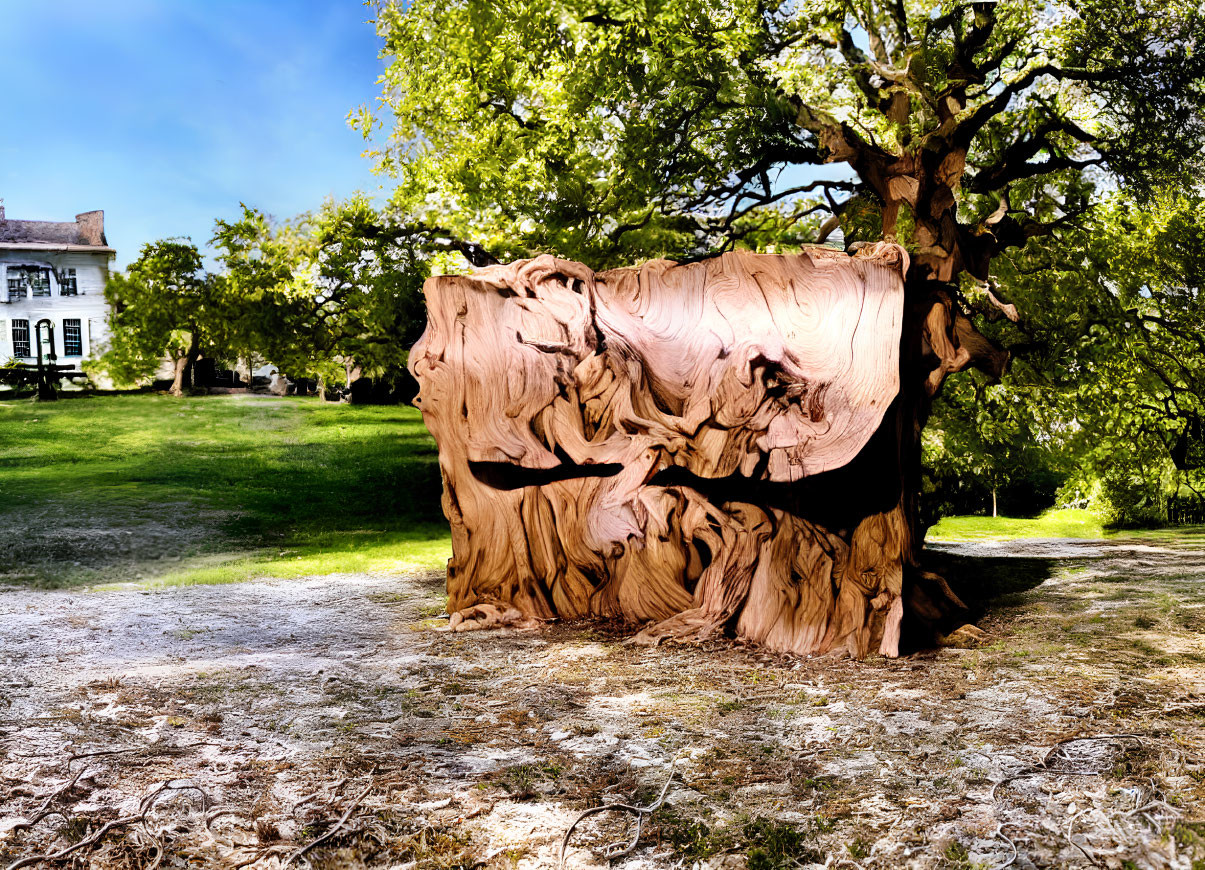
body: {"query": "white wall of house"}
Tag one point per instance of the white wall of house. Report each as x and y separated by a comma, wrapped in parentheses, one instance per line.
(87, 306)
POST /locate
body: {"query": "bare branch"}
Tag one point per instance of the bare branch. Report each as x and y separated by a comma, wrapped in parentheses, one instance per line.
(827, 228)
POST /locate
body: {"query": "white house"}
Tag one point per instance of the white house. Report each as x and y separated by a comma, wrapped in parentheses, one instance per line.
(56, 271)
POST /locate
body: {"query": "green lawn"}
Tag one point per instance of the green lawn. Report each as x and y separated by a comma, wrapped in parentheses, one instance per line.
(1055, 524)
(151, 489)
(1052, 524)
(213, 489)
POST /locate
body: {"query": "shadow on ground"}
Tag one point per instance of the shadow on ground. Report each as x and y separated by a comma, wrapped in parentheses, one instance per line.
(981, 581)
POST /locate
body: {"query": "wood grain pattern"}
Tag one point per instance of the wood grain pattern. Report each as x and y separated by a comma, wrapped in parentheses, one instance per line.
(693, 448)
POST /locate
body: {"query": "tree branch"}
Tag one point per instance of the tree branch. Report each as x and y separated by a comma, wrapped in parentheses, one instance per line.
(969, 127)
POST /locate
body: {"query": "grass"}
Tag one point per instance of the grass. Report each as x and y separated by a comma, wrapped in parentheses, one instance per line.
(1055, 524)
(213, 489)
(1051, 524)
(112, 489)
(769, 844)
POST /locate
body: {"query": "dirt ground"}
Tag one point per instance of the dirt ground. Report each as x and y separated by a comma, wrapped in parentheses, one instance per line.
(234, 726)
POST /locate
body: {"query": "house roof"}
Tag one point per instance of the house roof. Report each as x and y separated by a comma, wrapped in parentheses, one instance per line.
(85, 233)
(45, 232)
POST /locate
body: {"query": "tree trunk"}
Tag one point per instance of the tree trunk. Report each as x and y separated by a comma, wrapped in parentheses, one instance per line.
(993, 502)
(726, 446)
(353, 373)
(182, 382)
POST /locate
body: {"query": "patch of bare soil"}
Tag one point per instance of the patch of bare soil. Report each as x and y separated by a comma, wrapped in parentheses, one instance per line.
(326, 723)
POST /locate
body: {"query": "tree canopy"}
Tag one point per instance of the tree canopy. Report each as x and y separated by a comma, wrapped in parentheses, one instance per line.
(1110, 357)
(336, 287)
(612, 131)
(164, 306)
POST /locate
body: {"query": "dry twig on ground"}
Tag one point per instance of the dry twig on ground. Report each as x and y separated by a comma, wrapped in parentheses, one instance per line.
(338, 825)
(144, 807)
(641, 814)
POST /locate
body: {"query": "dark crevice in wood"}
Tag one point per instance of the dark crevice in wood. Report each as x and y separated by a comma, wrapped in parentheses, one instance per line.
(505, 476)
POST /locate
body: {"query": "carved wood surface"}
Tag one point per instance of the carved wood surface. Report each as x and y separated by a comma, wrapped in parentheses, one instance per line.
(693, 448)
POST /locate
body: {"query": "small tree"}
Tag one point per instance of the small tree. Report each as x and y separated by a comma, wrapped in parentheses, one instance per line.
(164, 306)
(335, 289)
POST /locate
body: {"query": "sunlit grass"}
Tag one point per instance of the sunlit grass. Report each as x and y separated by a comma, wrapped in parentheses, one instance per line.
(1052, 524)
(425, 548)
(1081, 524)
(214, 489)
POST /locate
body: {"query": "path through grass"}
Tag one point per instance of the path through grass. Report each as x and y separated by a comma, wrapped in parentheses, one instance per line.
(213, 489)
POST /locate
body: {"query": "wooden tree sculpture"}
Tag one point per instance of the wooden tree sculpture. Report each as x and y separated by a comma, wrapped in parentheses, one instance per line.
(702, 447)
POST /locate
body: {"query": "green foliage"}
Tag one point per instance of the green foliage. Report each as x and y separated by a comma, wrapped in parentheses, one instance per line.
(261, 267)
(1110, 354)
(163, 306)
(564, 126)
(986, 439)
(369, 278)
(611, 130)
(317, 295)
(1126, 496)
(324, 291)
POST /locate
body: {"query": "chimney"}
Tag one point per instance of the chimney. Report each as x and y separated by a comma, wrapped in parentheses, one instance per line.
(92, 227)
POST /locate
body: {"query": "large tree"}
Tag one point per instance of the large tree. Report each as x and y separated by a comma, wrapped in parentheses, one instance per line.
(615, 131)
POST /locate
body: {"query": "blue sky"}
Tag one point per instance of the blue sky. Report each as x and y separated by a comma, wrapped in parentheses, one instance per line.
(168, 114)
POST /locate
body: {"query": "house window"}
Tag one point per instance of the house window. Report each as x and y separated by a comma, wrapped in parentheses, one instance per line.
(21, 338)
(39, 281)
(68, 285)
(73, 340)
(24, 279)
